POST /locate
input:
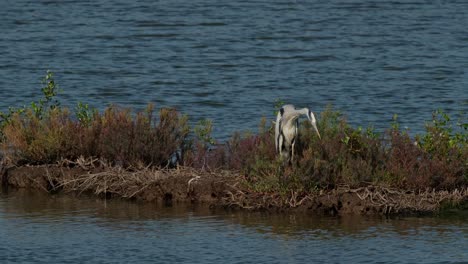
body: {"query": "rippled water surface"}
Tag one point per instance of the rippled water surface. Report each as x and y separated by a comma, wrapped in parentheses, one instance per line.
(230, 60)
(39, 229)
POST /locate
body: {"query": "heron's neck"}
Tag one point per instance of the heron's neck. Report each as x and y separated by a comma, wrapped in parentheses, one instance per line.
(304, 111)
(299, 112)
(294, 115)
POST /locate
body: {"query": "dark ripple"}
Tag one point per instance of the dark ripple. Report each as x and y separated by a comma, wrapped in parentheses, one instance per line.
(154, 35)
(211, 103)
(153, 24)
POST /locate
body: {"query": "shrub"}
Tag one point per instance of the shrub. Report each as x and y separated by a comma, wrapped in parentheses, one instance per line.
(30, 139)
(202, 151)
(344, 155)
(115, 136)
(353, 156)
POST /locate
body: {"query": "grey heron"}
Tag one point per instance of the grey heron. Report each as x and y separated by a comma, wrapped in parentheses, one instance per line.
(286, 129)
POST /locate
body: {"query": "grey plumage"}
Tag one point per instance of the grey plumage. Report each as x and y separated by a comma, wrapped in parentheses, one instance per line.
(286, 129)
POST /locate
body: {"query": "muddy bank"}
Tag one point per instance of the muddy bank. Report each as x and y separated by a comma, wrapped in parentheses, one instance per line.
(222, 189)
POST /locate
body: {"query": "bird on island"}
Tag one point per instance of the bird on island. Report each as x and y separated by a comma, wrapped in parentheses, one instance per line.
(286, 130)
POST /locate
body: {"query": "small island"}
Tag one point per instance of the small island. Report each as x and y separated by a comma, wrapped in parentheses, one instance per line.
(119, 153)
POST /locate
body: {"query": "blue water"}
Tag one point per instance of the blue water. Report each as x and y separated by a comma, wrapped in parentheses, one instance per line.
(36, 228)
(230, 60)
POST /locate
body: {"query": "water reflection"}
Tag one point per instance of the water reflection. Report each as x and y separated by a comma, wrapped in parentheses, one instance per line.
(36, 206)
(37, 227)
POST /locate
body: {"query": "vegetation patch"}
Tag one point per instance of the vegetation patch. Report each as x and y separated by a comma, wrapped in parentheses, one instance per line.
(118, 152)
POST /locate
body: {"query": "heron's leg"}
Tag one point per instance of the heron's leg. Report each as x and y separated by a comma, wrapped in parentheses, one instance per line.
(280, 144)
(293, 144)
(292, 150)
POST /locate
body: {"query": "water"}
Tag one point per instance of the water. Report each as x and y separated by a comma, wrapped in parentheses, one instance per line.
(229, 60)
(38, 228)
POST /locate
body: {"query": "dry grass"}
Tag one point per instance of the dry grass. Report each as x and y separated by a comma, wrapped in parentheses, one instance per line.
(100, 178)
(377, 199)
(395, 200)
(109, 179)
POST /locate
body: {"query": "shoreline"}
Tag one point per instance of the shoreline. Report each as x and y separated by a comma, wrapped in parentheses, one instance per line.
(224, 189)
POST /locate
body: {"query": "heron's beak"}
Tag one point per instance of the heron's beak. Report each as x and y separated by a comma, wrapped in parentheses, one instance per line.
(316, 130)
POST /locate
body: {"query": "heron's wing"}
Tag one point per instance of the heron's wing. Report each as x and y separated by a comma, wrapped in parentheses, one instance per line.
(277, 130)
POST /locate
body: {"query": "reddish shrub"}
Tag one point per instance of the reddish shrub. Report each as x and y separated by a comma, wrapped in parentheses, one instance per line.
(115, 135)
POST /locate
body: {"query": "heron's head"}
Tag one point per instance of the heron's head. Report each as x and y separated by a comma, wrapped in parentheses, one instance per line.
(313, 121)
